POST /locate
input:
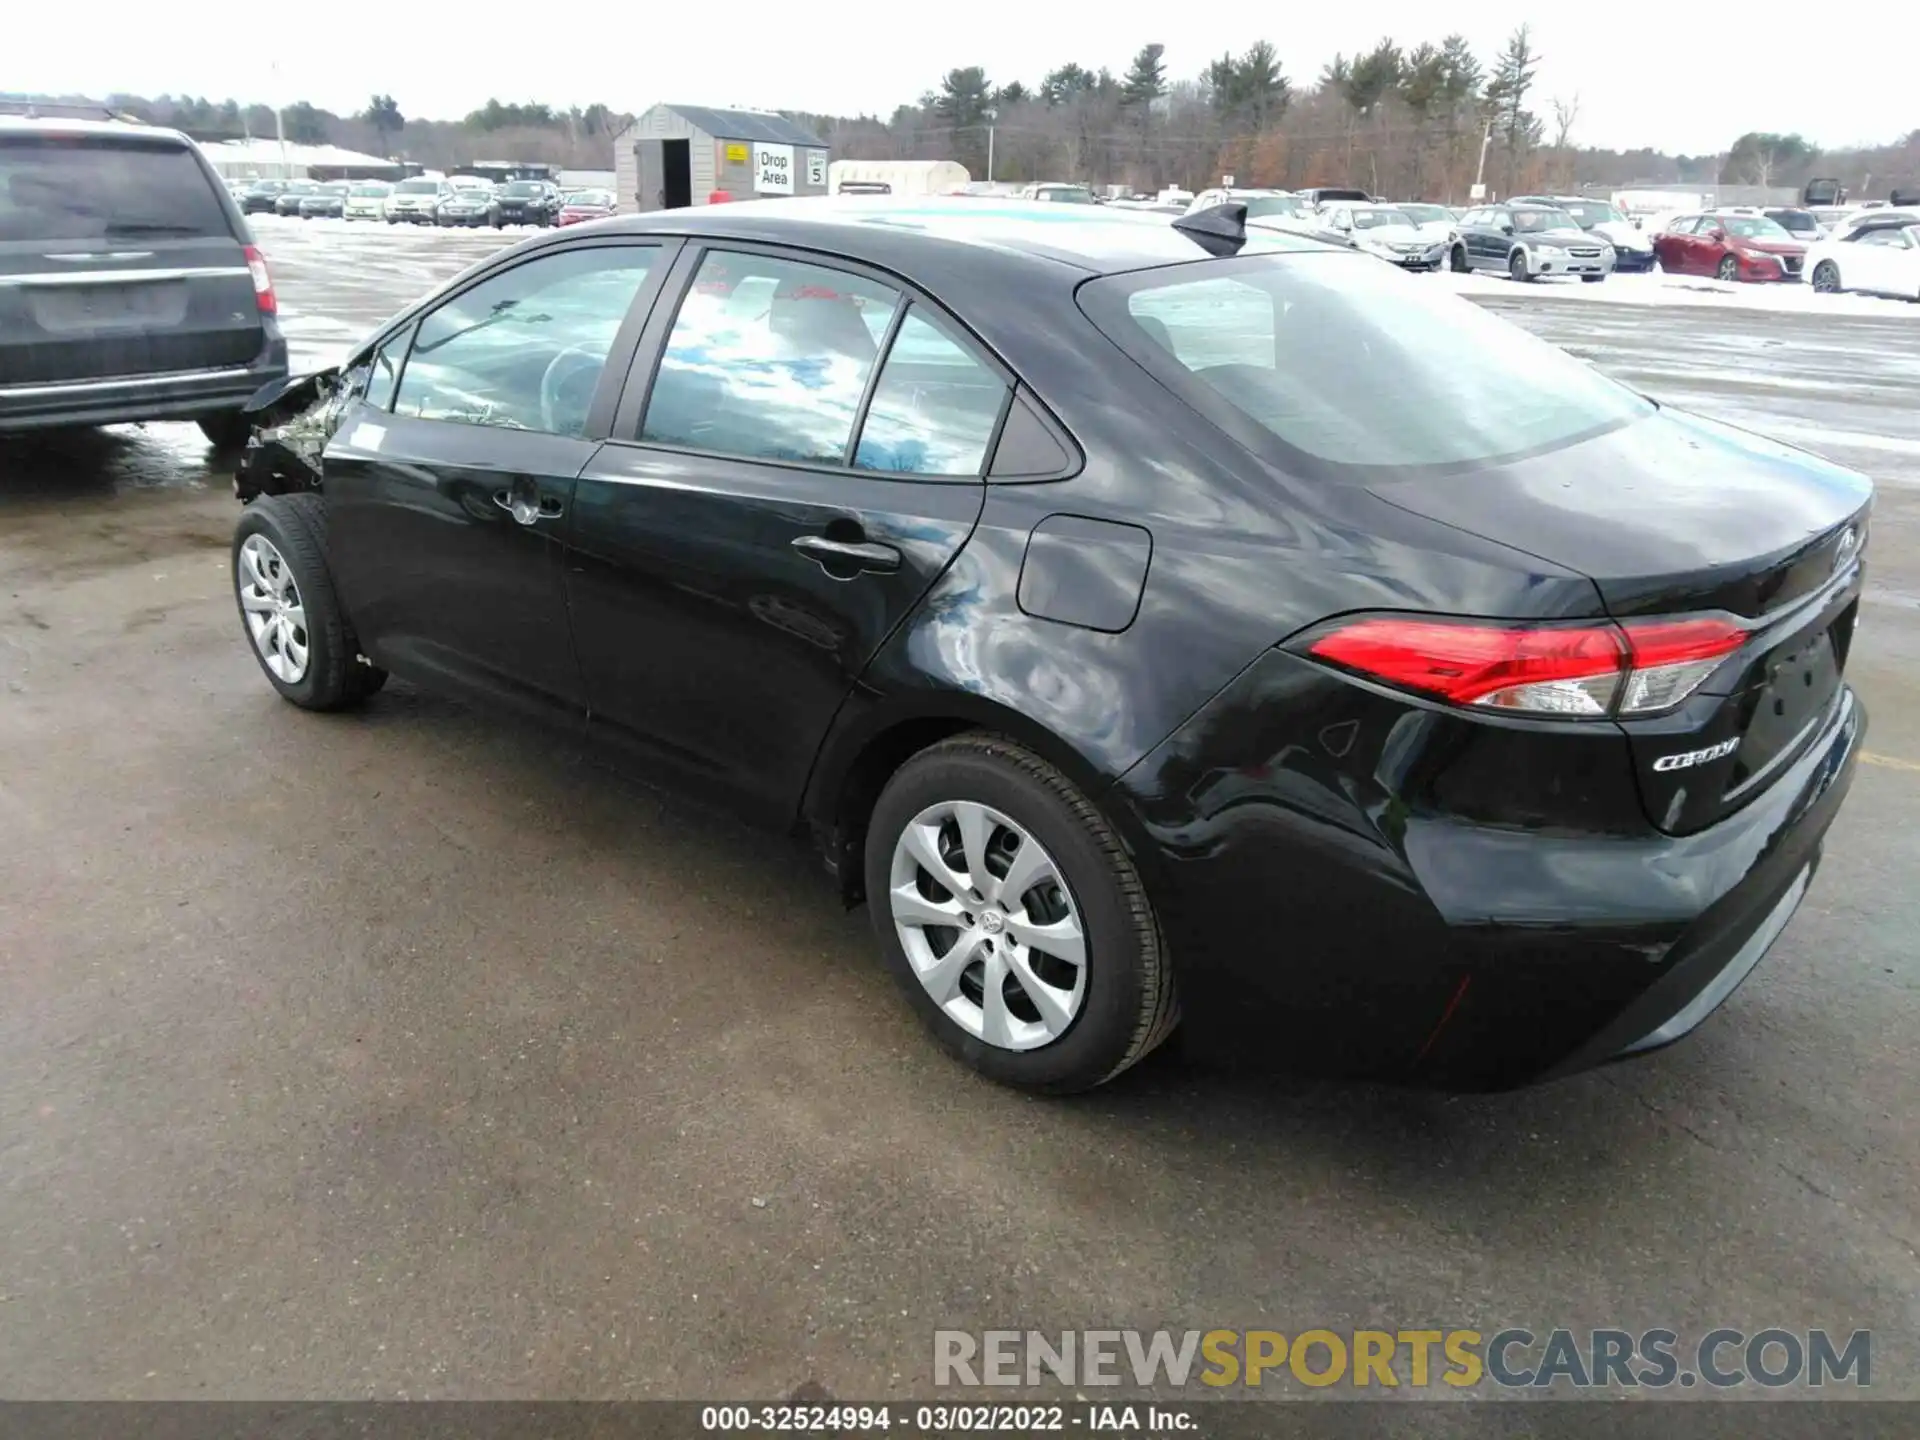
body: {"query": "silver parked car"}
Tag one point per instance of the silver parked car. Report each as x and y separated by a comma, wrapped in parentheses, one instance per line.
(416, 200)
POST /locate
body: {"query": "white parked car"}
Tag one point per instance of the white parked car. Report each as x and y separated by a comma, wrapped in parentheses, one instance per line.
(1388, 232)
(1632, 245)
(1434, 222)
(416, 201)
(1879, 255)
(367, 200)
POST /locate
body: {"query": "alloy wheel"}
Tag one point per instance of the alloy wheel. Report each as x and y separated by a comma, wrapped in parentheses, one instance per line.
(1826, 279)
(270, 600)
(1729, 269)
(989, 925)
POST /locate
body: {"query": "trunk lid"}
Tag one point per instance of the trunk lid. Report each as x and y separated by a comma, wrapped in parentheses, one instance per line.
(1680, 516)
(118, 256)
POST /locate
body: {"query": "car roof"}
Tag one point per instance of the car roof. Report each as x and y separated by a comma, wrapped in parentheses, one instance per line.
(74, 129)
(898, 234)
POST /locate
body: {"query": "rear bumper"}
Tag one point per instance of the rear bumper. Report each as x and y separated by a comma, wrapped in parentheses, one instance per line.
(119, 399)
(1323, 923)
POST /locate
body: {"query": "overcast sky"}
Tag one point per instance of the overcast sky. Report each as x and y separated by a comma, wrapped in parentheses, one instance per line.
(1677, 76)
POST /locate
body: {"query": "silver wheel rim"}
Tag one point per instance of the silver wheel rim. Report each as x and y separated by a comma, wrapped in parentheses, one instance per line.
(1823, 278)
(989, 925)
(270, 601)
(1729, 270)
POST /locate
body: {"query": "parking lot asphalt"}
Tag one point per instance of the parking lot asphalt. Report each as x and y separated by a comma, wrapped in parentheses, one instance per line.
(405, 1053)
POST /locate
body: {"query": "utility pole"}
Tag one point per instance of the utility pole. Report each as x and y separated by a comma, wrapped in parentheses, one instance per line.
(1480, 171)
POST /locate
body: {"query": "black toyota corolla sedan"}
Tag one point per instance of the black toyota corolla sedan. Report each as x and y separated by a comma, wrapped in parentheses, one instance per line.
(1151, 622)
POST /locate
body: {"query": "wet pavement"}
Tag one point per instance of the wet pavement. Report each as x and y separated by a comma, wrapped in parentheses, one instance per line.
(404, 1053)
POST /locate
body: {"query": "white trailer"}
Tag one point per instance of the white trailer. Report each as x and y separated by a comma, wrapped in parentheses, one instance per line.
(900, 177)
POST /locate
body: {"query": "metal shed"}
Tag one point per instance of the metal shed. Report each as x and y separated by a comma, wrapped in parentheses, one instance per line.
(677, 155)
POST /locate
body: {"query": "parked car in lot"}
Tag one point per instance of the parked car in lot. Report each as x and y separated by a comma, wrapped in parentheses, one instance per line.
(1529, 241)
(366, 200)
(469, 205)
(1060, 194)
(1434, 222)
(1632, 246)
(528, 202)
(329, 202)
(1320, 195)
(130, 288)
(1875, 257)
(1388, 233)
(292, 195)
(587, 205)
(416, 201)
(1181, 631)
(1802, 225)
(258, 198)
(1280, 210)
(1729, 247)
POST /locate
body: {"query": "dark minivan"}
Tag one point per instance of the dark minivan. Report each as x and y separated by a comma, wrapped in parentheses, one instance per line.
(130, 288)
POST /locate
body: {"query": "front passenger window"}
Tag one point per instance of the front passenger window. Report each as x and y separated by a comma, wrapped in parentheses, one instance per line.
(524, 350)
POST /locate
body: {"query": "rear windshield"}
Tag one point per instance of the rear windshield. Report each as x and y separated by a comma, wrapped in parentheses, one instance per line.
(521, 187)
(1264, 205)
(1350, 363)
(61, 188)
(417, 187)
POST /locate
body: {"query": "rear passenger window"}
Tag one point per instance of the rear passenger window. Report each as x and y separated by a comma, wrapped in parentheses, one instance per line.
(768, 359)
(935, 408)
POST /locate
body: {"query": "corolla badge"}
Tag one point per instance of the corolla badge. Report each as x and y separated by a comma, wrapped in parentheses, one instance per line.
(1687, 759)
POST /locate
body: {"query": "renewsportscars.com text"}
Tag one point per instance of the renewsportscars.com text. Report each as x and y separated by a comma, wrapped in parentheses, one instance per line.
(1511, 1358)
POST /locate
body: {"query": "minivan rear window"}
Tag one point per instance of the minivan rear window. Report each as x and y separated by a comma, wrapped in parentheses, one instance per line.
(69, 188)
(1345, 362)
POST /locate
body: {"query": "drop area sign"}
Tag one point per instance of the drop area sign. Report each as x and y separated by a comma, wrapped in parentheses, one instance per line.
(773, 169)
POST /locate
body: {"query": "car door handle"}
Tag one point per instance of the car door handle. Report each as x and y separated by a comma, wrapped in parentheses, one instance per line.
(526, 507)
(853, 555)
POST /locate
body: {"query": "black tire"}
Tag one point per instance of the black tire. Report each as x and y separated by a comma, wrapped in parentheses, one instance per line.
(1457, 260)
(1130, 1005)
(226, 431)
(1593, 279)
(1517, 267)
(335, 677)
(1728, 270)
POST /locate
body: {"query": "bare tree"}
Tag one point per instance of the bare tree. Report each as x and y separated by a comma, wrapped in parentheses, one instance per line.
(1566, 113)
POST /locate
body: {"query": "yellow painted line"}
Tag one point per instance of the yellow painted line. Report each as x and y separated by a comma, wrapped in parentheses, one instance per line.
(1892, 762)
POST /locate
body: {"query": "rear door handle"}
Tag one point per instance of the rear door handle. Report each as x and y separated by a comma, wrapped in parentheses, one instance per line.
(848, 555)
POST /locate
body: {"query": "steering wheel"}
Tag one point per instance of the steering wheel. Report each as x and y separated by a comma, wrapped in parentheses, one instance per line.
(565, 368)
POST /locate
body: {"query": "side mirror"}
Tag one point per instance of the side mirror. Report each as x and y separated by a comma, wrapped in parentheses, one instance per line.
(1506, 227)
(1717, 233)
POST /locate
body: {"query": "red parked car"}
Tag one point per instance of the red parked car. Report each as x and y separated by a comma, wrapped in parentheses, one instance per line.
(1730, 247)
(586, 205)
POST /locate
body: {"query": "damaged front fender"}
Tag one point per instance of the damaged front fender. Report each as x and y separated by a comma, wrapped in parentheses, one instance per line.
(292, 421)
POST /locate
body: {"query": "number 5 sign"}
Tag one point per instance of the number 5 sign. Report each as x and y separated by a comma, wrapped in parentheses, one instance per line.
(773, 169)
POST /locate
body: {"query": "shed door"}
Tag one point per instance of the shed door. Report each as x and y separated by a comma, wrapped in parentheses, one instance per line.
(651, 168)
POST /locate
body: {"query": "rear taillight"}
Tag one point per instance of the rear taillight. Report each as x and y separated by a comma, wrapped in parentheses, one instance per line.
(262, 281)
(1566, 670)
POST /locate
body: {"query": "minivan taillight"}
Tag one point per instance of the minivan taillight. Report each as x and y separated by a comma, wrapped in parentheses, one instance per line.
(1574, 671)
(262, 281)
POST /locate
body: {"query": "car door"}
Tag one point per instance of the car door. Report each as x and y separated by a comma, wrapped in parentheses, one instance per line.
(802, 462)
(447, 484)
(1670, 246)
(1875, 256)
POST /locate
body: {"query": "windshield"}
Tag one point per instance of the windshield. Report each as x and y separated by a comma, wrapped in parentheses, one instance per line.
(1065, 194)
(1795, 221)
(369, 192)
(1428, 214)
(1528, 221)
(335, 189)
(1259, 205)
(1592, 212)
(1374, 219)
(56, 188)
(1350, 363)
(301, 187)
(1753, 227)
(522, 187)
(417, 187)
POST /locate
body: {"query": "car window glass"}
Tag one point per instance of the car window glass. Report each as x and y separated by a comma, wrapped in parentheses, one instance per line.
(768, 359)
(55, 188)
(1880, 237)
(935, 407)
(524, 349)
(385, 371)
(1350, 363)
